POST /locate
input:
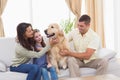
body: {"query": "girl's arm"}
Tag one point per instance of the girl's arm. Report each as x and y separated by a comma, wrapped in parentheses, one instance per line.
(39, 49)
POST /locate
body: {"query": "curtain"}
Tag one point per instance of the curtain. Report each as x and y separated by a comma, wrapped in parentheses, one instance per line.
(75, 7)
(2, 6)
(94, 9)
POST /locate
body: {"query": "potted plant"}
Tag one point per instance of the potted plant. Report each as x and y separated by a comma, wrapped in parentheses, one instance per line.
(67, 25)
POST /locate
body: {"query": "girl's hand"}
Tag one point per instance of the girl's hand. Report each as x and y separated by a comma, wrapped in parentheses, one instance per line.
(39, 49)
(49, 65)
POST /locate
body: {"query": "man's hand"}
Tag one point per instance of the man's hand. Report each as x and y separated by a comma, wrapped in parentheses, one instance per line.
(64, 52)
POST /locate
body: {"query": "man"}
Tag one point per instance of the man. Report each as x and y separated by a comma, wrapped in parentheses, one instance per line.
(86, 44)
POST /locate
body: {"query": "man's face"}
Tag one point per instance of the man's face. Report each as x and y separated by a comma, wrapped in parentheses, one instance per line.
(82, 27)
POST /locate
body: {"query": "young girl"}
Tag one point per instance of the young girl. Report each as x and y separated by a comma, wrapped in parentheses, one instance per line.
(43, 62)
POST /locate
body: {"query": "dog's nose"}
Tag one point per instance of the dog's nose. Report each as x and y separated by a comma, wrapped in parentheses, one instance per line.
(45, 31)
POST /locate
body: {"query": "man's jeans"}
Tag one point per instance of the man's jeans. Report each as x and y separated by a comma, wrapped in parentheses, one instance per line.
(53, 74)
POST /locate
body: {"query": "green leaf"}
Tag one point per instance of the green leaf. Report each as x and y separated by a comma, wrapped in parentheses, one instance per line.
(67, 25)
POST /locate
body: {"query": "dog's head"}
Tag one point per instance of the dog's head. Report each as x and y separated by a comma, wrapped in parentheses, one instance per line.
(53, 30)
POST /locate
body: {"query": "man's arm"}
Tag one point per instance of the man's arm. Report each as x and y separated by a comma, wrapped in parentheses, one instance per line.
(83, 56)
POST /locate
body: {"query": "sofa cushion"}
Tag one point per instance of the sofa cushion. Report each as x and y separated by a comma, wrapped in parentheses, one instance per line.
(12, 76)
(7, 50)
(87, 71)
(84, 72)
(3, 66)
(106, 53)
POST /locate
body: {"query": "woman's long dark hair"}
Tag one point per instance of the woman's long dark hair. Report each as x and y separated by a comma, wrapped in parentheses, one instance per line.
(42, 43)
(26, 43)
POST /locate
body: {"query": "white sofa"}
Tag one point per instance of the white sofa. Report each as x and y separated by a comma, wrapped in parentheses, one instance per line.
(7, 48)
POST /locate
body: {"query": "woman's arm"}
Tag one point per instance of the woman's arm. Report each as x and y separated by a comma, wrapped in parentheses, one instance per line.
(20, 50)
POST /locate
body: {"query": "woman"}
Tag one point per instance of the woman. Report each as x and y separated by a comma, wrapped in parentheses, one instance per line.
(43, 62)
(25, 52)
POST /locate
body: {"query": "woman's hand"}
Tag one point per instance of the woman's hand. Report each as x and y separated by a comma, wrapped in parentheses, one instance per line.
(53, 40)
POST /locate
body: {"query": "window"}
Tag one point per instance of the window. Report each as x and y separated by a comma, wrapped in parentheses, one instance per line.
(16, 11)
(48, 11)
(38, 12)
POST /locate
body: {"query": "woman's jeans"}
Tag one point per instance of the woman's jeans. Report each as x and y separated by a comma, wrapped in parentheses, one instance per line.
(34, 72)
(52, 71)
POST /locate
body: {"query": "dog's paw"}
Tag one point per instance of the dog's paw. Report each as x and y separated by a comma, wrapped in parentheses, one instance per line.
(64, 67)
(58, 72)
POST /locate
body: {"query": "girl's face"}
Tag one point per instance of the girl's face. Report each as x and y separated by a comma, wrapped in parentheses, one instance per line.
(29, 32)
(37, 37)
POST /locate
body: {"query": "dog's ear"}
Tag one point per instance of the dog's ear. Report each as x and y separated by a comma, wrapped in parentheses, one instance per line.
(61, 33)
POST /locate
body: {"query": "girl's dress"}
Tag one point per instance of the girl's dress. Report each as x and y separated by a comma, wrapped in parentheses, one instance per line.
(42, 63)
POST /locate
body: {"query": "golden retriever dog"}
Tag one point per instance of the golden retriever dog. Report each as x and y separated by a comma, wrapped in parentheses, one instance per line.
(58, 61)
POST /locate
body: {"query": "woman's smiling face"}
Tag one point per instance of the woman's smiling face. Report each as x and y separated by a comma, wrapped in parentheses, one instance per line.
(29, 32)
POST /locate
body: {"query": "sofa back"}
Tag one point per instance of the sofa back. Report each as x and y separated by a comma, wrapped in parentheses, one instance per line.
(7, 50)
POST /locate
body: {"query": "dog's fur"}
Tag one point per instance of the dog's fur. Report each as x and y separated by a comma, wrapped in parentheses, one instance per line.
(54, 31)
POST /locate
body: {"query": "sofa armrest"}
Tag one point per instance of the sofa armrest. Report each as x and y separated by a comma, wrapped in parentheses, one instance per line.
(106, 53)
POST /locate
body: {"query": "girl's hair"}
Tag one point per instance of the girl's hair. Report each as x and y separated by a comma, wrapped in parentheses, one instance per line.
(42, 43)
(21, 29)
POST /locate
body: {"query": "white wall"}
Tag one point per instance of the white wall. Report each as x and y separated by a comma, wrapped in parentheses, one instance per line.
(109, 23)
(112, 24)
(16, 11)
(117, 25)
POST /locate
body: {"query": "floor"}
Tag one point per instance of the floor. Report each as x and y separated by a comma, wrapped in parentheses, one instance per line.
(100, 77)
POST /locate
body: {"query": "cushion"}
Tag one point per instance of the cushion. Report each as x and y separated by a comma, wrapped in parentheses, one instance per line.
(7, 52)
(12, 76)
(87, 71)
(84, 72)
(3, 66)
(106, 53)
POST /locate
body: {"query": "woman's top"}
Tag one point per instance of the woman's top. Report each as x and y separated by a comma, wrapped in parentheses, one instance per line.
(23, 55)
